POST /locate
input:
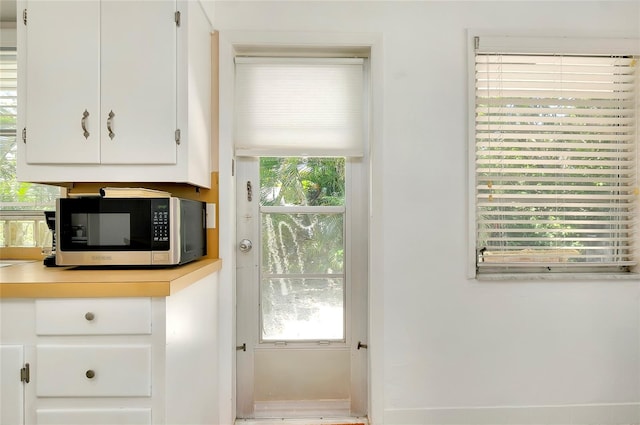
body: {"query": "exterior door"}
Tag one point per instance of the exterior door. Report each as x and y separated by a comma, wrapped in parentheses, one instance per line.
(301, 287)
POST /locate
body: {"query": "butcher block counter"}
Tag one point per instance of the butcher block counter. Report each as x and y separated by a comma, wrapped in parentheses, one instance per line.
(34, 280)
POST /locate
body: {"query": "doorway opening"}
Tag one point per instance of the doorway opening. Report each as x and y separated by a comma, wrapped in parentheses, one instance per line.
(301, 287)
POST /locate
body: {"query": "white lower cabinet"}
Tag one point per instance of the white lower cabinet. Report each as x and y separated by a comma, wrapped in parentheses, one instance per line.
(11, 385)
(93, 360)
(124, 416)
(98, 361)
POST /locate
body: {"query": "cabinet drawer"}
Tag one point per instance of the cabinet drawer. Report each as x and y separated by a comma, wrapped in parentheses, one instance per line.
(89, 316)
(124, 416)
(93, 371)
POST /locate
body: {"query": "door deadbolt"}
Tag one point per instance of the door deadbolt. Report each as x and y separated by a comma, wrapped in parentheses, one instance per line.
(245, 245)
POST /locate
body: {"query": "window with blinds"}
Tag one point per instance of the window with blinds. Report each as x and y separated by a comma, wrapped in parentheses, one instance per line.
(555, 162)
(22, 223)
(8, 101)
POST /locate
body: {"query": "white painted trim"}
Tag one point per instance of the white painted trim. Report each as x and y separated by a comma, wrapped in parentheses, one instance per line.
(376, 233)
(558, 45)
(245, 41)
(226, 211)
(602, 414)
(471, 160)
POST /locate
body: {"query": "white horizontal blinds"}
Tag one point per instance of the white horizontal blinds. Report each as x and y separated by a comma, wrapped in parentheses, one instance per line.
(299, 107)
(555, 160)
(8, 97)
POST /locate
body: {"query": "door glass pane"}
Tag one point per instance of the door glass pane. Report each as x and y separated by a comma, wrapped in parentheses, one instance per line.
(302, 243)
(302, 309)
(302, 253)
(302, 181)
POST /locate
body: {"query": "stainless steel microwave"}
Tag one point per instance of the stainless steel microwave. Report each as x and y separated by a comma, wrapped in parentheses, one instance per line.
(96, 231)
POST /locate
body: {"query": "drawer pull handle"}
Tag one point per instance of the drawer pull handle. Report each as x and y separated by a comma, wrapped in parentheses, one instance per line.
(89, 316)
(90, 374)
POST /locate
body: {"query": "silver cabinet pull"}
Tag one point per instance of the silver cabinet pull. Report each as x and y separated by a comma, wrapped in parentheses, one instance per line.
(83, 123)
(110, 124)
(89, 316)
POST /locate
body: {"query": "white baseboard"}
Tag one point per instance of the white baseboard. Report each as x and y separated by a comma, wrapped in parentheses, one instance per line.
(600, 414)
(308, 421)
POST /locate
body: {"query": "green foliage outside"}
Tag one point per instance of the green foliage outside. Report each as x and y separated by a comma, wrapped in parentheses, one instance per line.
(24, 229)
(575, 224)
(16, 195)
(302, 242)
(302, 181)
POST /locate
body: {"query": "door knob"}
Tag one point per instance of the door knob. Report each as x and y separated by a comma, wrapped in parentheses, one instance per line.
(245, 245)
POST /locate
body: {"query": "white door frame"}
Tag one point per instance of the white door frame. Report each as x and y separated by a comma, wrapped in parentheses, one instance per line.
(354, 355)
(230, 43)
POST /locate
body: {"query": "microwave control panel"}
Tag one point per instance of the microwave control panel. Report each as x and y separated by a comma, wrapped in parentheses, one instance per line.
(160, 219)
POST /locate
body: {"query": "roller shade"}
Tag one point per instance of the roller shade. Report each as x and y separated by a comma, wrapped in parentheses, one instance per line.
(555, 142)
(299, 107)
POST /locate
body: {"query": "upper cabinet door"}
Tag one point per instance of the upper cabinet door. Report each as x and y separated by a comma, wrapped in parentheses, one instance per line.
(138, 82)
(62, 82)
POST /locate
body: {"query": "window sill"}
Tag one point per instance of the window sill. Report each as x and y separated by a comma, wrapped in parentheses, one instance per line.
(557, 276)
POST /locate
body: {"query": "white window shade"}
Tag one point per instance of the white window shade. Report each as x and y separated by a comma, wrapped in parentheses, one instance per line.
(556, 161)
(299, 107)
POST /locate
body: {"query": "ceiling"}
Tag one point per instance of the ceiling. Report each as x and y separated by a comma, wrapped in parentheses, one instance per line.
(7, 10)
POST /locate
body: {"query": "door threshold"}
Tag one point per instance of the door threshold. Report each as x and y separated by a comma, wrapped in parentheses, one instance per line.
(291, 409)
(356, 420)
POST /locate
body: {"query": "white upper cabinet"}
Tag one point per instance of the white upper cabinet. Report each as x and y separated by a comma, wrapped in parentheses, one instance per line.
(138, 82)
(62, 80)
(103, 93)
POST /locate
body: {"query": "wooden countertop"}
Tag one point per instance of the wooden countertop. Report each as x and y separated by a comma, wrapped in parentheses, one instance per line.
(34, 280)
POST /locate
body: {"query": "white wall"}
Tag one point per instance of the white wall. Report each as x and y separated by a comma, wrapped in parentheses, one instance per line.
(450, 349)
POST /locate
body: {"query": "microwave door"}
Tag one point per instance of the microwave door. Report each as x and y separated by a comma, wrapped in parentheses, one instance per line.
(96, 231)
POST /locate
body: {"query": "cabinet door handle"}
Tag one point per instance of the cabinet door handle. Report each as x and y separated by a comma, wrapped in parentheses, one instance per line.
(83, 123)
(90, 374)
(110, 125)
(89, 316)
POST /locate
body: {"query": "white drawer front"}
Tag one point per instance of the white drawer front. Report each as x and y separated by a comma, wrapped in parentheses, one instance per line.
(93, 316)
(93, 371)
(93, 416)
